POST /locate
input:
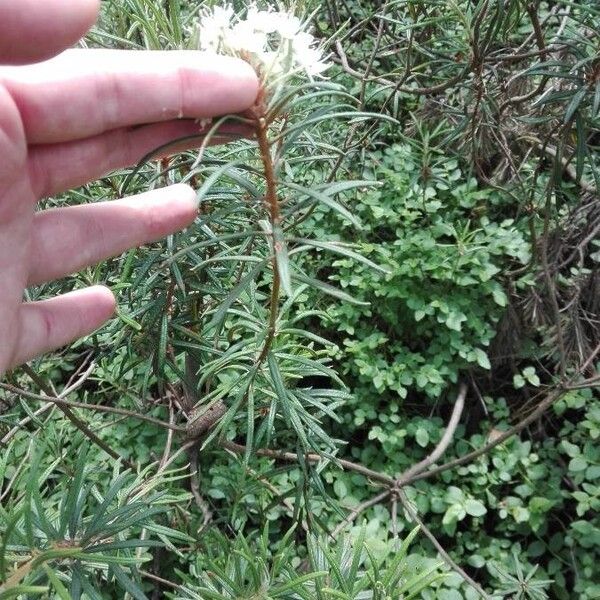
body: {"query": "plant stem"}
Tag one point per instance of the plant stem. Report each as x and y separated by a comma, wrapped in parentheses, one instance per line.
(66, 410)
(447, 558)
(60, 401)
(312, 458)
(443, 444)
(261, 130)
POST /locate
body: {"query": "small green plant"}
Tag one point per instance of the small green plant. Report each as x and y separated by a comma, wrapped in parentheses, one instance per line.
(61, 537)
(521, 586)
(344, 569)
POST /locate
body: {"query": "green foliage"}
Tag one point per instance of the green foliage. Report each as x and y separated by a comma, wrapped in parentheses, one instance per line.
(66, 528)
(439, 223)
(522, 586)
(346, 570)
(433, 314)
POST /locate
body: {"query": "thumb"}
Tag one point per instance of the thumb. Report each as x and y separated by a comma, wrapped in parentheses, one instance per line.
(34, 30)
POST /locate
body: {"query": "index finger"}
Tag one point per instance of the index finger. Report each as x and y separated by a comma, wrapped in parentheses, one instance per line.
(81, 93)
(32, 30)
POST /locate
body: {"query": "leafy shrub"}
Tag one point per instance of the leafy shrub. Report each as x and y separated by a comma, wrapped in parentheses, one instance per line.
(434, 313)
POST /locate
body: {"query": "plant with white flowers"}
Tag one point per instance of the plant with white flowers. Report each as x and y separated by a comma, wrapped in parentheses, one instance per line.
(224, 367)
(258, 356)
(276, 44)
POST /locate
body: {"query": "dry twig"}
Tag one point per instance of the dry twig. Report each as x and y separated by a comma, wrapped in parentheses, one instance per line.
(443, 443)
(447, 558)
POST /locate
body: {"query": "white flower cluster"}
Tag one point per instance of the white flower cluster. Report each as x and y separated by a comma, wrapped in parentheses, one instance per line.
(275, 43)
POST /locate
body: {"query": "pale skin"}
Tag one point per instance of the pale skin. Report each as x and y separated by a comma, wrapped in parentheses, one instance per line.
(67, 118)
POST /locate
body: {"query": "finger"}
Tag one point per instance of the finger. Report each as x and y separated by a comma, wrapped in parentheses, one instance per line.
(33, 30)
(55, 168)
(82, 93)
(67, 239)
(50, 324)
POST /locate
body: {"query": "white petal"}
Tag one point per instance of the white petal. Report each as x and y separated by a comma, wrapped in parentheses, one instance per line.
(244, 37)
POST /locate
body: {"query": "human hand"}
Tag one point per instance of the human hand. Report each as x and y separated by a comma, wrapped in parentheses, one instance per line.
(67, 121)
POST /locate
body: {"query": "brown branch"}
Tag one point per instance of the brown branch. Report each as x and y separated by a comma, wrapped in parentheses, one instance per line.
(8, 486)
(66, 409)
(538, 412)
(261, 130)
(418, 472)
(95, 407)
(370, 62)
(358, 468)
(167, 449)
(407, 478)
(24, 421)
(586, 383)
(201, 503)
(181, 450)
(569, 169)
(394, 511)
(82, 426)
(508, 58)
(535, 23)
(160, 580)
(312, 458)
(443, 443)
(594, 234)
(447, 558)
(549, 278)
(589, 360)
(356, 512)
(423, 91)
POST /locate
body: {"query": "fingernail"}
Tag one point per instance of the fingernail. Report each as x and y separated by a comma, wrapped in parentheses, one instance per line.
(185, 192)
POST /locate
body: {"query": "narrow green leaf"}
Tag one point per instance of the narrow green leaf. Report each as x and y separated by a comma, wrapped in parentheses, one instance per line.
(99, 513)
(328, 289)
(574, 104)
(581, 149)
(282, 259)
(57, 584)
(69, 512)
(21, 590)
(327, 200)
(355, 116)
(214, 177)
(340, 248)
(125, 544)
(293, 584)
(128, 584)
(113, 559)
(234, 295)
(357, 553)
